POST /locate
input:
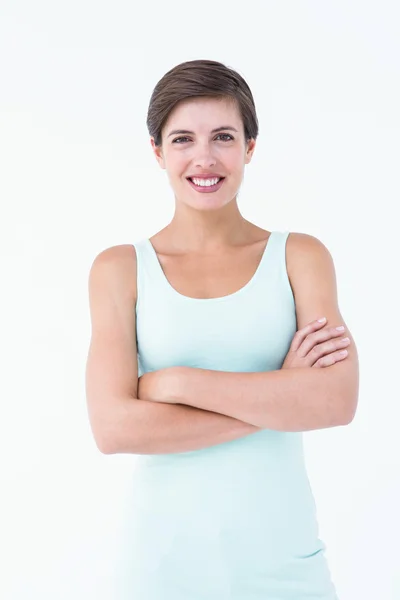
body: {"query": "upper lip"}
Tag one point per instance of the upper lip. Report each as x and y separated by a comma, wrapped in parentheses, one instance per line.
(204, 176)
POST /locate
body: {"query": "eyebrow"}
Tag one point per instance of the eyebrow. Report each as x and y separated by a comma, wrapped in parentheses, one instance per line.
(224, 128)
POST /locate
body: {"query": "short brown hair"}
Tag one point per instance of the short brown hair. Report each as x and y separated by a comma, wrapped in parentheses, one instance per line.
(196, 78)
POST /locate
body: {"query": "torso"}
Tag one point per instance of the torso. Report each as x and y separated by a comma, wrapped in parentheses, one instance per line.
(210, 276)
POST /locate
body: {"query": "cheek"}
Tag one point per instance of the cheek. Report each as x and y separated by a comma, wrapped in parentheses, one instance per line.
(234, 164)
(176, 165)
(233, 157)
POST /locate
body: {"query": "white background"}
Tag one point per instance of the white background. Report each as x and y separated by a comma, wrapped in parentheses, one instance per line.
(78, 175)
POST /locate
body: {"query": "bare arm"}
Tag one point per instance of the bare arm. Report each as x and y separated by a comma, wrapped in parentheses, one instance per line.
(120, 421)
(286, 400)
(146, 427)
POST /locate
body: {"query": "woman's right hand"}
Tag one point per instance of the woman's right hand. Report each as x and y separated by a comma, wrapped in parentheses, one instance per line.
(313, 346)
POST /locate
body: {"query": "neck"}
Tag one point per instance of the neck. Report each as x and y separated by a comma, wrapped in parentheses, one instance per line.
(195, 231)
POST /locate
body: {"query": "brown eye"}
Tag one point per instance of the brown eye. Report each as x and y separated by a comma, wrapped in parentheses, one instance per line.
(226, 134)
(180, 138)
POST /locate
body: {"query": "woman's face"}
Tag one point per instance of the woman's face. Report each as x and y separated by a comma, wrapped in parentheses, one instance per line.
(204, 153)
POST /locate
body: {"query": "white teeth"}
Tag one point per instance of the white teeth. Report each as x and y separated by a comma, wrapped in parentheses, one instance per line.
(205, 182)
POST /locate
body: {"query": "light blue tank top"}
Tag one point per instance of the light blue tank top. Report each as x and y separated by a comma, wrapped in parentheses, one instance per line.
(236, 520)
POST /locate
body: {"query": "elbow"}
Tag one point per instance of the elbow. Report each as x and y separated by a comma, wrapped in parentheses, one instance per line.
(102, 428)
(115, 440)
(347, 414)
(110, 441)
(121, 430)
(349, 417)
(108, 428)
(104, 435)
(111, 446)
(103, 443)
(104, 448)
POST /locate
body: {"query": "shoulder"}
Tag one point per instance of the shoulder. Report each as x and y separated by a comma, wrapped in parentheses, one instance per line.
(305, 243)
(116, 265)
(312, 276)
(305, 252)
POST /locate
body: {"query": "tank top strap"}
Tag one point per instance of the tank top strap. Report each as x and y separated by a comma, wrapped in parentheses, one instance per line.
(147, 270)
(274, 256)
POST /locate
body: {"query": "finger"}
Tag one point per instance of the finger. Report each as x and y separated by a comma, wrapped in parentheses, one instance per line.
(331, 359)
(301, 334)
(314, 341)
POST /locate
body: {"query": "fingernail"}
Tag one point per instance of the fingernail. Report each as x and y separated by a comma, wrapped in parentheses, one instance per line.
(322, 320)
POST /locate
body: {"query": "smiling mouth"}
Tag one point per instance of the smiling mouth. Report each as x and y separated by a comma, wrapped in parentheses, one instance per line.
(206, 188)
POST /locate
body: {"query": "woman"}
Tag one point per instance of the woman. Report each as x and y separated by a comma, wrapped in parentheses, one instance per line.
(219, 318)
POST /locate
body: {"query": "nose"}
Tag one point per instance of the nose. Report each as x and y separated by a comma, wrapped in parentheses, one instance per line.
(204, 156)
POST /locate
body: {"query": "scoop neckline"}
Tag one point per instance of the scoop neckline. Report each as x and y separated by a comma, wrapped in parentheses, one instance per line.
(238, 292)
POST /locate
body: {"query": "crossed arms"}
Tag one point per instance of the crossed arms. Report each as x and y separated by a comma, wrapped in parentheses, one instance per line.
(188, 408)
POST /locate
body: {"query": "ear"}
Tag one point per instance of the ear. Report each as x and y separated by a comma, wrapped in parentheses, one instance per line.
(251, 145)
(158, 153)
